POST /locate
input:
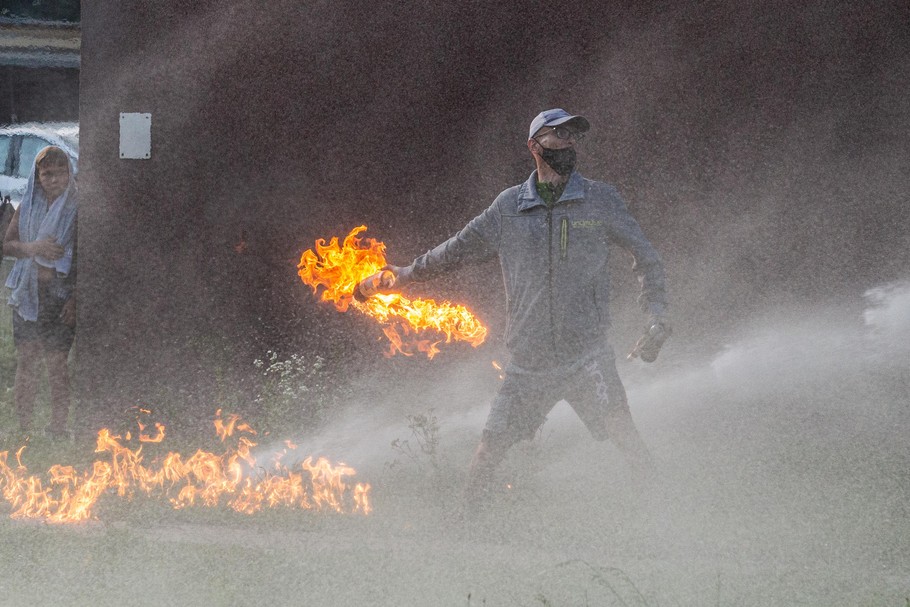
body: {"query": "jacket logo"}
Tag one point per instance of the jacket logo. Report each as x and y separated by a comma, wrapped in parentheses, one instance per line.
(587, 223)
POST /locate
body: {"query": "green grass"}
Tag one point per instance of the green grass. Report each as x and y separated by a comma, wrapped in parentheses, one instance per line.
(141, 551)
(103, 565)
(114, 563)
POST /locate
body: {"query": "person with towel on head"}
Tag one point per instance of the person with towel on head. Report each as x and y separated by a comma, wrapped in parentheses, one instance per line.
(42, 238)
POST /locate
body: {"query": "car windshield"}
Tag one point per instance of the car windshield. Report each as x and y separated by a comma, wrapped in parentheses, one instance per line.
(32, 144)
(27, 151)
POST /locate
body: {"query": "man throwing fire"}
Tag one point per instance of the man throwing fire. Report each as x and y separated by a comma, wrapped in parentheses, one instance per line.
(552, 235)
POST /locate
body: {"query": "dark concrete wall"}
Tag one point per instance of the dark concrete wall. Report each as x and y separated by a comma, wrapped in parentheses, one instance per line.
(763, 148)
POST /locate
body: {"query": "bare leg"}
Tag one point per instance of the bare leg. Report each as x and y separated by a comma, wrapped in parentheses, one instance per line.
(487, 457)
(622, 430)
(58, 379)
(519, 409)
(602, 405)
(28, 355)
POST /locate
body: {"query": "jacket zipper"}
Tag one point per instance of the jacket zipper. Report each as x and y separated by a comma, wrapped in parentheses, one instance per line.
(550, 278)
(564, 238)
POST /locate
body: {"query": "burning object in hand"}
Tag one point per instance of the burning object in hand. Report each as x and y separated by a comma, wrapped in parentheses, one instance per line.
(419, 325)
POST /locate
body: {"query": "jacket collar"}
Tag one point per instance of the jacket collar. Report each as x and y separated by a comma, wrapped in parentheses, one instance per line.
(528, 198)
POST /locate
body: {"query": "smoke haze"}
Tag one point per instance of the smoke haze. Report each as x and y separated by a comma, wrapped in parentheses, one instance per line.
(782, 480)
(763, 149)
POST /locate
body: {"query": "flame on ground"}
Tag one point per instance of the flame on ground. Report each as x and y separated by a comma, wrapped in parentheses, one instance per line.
(418, 325)
(203, 479)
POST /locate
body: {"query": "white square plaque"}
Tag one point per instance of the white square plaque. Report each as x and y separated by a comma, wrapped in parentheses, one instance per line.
(135, 135)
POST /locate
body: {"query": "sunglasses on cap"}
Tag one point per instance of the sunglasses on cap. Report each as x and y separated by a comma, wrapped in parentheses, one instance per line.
(563, 132)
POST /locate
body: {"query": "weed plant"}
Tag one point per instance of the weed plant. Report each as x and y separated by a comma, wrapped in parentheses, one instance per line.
(296, 392)
(424, 429)
(419, 468)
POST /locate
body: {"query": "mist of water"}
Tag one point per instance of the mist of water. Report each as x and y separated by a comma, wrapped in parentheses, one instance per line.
(782, 456)
(783, 477)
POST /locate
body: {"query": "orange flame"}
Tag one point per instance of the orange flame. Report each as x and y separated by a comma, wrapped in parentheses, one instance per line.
(145, 438)
(498, 367)
(410, 325)
(224, 430)
(204, 479)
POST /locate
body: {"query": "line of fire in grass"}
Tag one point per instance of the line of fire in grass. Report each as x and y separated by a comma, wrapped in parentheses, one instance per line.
(231, 479)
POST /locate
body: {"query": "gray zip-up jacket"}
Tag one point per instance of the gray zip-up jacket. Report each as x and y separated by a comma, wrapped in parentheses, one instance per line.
(554, 264)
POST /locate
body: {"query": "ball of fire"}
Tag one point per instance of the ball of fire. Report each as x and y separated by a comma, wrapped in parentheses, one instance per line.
(334, 270)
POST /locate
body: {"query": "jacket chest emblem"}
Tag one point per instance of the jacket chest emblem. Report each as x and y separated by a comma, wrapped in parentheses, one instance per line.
(587, 223)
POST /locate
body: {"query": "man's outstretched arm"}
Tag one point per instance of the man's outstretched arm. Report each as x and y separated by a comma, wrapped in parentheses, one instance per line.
(475, 243)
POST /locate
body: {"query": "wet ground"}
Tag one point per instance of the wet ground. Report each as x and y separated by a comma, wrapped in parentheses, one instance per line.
(784, 479)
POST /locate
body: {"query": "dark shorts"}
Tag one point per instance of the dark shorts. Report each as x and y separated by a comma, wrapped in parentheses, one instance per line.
(49, 330)
(593, 390)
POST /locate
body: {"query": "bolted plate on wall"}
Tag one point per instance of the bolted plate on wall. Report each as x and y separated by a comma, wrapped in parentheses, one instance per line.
(135, 135)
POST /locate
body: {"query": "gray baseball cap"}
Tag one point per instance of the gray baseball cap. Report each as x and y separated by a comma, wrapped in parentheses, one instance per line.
(555, 117)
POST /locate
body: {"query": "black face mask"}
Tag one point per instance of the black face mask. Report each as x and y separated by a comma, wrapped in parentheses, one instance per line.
(561, 160)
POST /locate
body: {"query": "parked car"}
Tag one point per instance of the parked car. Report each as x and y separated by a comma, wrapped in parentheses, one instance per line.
(20, 143)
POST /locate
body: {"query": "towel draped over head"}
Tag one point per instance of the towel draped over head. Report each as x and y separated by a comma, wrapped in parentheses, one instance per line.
(38, 221)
